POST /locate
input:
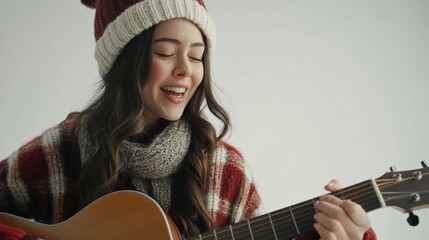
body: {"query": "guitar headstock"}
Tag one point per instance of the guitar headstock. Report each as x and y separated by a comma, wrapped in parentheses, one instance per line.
(407, 190)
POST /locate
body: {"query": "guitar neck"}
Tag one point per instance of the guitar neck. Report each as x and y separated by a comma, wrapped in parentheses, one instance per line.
(293, 221)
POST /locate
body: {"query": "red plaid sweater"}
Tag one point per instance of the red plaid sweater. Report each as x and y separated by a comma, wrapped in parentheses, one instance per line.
(38, 181)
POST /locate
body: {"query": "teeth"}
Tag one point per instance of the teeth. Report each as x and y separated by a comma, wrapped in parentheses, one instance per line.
(174, 89)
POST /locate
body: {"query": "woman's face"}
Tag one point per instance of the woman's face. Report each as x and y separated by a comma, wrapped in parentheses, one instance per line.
(177, 70)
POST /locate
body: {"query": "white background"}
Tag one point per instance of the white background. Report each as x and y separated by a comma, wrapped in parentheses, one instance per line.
(316, 90)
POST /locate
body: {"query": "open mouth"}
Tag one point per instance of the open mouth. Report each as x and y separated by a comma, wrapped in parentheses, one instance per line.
(175, 92)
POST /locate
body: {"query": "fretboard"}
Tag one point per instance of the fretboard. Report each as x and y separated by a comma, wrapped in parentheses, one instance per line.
(293, 221)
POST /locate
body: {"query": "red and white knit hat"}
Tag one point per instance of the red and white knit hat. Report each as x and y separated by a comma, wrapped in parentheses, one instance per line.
(118, 21)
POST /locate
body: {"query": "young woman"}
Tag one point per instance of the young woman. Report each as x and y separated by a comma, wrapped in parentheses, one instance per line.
(146, 131)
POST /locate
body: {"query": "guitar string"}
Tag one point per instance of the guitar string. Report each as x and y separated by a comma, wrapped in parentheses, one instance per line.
(308, 225)
(311, 213)
(266, 230)
(375, 204)
(297, 214)
(308, 215)
(385, 183)
(345, 193)
(375, 201)
(266, 226)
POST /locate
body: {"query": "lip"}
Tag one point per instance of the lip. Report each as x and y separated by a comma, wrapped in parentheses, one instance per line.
(175, 100)
(177, 85)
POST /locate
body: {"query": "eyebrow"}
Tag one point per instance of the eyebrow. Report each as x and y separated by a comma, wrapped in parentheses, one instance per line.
(175, 41)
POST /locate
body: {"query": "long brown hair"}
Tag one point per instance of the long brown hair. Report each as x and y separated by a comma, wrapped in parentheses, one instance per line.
(116, 114)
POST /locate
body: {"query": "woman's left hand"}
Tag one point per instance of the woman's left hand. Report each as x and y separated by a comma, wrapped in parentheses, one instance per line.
(340, 219)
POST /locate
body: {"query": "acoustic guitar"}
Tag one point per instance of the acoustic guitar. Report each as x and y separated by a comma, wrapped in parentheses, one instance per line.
(133, 215)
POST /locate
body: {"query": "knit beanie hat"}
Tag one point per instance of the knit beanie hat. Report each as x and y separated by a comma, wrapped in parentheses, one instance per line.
(118, 21)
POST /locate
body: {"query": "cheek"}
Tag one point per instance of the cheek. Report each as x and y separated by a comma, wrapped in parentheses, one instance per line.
(157, 73)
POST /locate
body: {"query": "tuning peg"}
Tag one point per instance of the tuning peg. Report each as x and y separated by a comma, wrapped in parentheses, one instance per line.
(398, 176)
(424, 164)
(413, 220)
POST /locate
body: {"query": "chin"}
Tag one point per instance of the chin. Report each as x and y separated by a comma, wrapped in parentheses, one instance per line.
(173, 117)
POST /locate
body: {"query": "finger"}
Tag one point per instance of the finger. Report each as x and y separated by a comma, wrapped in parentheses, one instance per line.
(336, 213)
(333, 185)
(325, 233)
(356, 213)
(341, 214)
(331, 199)
(330, 225)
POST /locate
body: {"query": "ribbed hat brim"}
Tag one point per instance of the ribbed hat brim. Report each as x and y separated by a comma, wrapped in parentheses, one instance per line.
(142, 16)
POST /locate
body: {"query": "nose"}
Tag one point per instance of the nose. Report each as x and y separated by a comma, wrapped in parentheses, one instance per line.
(183, 68)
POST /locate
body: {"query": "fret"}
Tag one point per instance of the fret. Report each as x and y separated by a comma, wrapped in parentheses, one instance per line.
(342, 196)
(314, 204)
(283, 223)
(261, 228)
(237, 231)
(250, 229)
(304, 216)
(222, 233)
(272, 225)
(232, 234)
(294, 221)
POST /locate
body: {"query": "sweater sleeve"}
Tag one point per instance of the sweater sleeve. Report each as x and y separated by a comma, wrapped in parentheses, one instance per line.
(35, 180)
(232, 195)
(247, 202)
(10, 233)
(18, 174)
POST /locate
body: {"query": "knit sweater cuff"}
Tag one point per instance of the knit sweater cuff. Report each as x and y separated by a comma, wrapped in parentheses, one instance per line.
(10, 233)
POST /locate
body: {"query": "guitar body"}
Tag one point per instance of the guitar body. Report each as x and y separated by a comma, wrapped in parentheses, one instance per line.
(120, 215)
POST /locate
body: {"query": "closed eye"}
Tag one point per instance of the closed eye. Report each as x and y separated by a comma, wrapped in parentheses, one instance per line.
(164, 55)
(196, 59)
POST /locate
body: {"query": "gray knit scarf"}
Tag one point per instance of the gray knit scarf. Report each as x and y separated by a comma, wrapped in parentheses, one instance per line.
(149, 165)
